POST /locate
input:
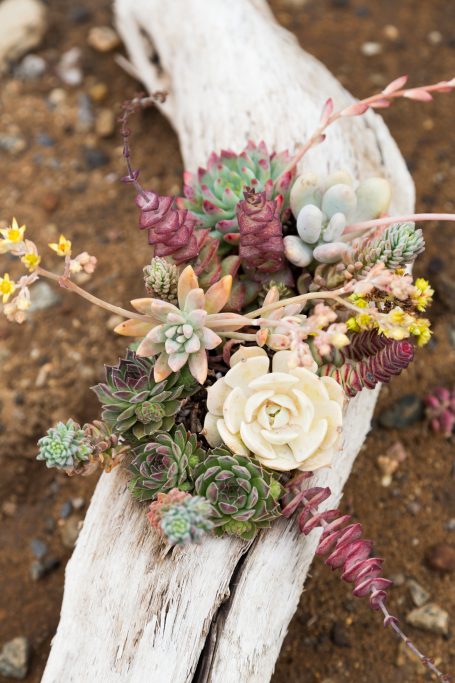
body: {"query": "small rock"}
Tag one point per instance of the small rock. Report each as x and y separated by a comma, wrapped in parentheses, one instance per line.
(22, 27)
(450, 525)
(69, 532)
(66, 509)
(441, 557)
(339, 636)
(43, 296)
(405, 412)
(414, 507)
(95, 158)
(31, 68)
(79, 14)
(14, 658)
(50, 201)
(430, 617)
(103, 38)
(39, 548)
(418, 594)
(68, 69)
(85, 115)
(57, 97)
(98, 92)
(13, 144)
(45, 140)
(398, 579)
(42, 568)
(49, 525)
(371, 49)
(391, 32)
(78, 503)
(9, 508)
(434, 37)
(105, 123)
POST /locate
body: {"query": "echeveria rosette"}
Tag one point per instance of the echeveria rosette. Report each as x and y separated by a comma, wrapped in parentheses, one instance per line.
(165, 463)
(65, 447)
(213, 193)
(324, 209)
(288, 418)
(243, 495)
(182, 335)
(134, 404)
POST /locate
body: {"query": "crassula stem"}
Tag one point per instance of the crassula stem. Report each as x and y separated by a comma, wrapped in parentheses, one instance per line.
(380, 100)
(345, 548)
(389, 220)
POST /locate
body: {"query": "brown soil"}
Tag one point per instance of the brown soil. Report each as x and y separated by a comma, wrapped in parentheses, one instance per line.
(49, 363)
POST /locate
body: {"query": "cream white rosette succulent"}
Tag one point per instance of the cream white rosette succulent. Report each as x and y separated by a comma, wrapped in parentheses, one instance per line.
(288, 418)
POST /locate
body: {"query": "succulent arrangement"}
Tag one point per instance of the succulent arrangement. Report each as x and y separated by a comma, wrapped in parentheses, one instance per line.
(273, 298)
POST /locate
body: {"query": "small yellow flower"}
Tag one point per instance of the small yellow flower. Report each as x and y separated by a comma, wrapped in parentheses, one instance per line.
(423, 295)
(358, 300)
(421, 329)
(352, 325)
(31, 261)
(14, 234)
(7, 287)
(62, 247)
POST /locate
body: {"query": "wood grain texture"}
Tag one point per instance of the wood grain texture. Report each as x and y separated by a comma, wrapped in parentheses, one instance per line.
(216, 613)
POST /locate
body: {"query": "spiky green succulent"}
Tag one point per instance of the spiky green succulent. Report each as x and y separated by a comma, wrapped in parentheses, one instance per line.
(323, 208)
(397, 246)
(161, 278)
(136, 406)
(65, 446)
(187, 521)
(214, 192)
(243, 495)
(165, 463)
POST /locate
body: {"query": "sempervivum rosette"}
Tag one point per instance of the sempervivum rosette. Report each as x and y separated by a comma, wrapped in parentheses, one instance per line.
(288, 418)
(243, 496)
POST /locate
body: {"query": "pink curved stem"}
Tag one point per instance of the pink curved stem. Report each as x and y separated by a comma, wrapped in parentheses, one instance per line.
(389, 220)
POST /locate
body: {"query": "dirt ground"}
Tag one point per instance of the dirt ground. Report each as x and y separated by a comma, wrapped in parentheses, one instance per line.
(61, 176)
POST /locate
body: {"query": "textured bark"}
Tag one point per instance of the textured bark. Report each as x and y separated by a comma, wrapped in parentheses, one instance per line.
(218, 612)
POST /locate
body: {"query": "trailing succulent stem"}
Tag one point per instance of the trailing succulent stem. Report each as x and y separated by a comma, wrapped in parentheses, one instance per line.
(344, 548)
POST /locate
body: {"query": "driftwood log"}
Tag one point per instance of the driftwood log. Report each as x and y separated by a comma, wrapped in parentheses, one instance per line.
(218, 612)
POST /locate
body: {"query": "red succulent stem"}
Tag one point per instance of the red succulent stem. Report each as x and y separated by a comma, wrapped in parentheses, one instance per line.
(388, 361)
(130, 107)
(345, 549)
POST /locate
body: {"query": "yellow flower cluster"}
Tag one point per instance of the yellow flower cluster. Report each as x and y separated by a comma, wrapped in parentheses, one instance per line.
(397, 324)
(423, 294)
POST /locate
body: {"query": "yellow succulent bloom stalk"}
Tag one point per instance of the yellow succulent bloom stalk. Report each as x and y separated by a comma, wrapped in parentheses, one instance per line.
(62, 247)
(7, 287)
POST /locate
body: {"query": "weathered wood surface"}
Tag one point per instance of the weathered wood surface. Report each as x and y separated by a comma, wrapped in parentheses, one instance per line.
(215, 613)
